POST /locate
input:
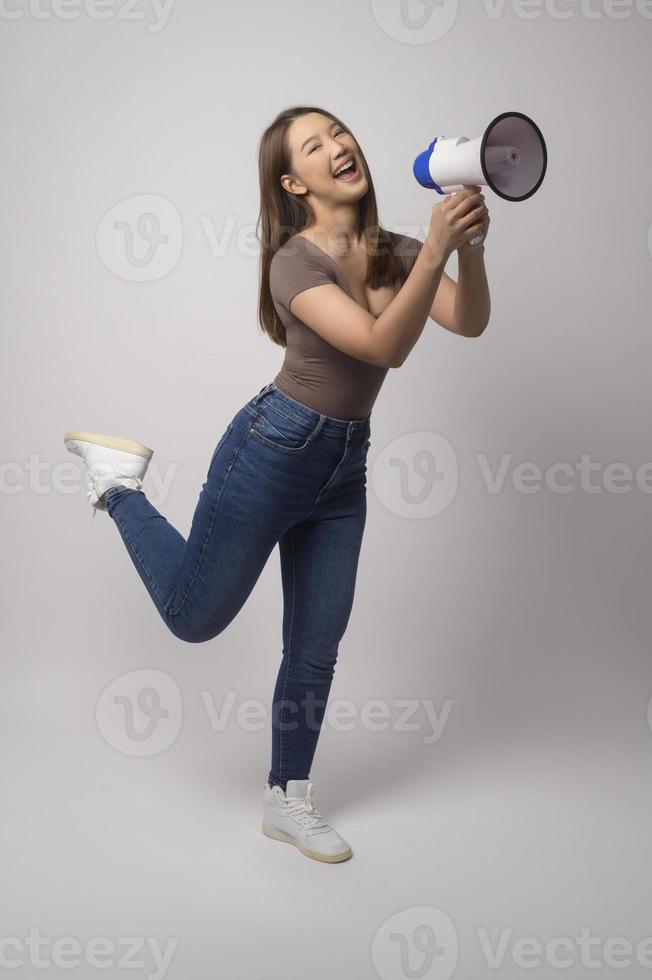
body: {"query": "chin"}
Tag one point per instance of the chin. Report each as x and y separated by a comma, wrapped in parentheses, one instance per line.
(360, 188)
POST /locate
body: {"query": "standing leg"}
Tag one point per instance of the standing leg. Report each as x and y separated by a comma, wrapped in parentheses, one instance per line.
(319, 561)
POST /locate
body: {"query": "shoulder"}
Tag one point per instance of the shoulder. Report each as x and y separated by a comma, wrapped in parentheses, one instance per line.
(297, 250)
(296, 266)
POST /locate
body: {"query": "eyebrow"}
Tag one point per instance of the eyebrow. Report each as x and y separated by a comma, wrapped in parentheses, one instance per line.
(315, 136)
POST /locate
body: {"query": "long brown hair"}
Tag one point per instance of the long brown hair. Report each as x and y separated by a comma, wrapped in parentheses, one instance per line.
(283, 214)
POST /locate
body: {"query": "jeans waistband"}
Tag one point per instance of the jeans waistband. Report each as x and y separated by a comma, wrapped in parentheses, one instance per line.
(302, 412)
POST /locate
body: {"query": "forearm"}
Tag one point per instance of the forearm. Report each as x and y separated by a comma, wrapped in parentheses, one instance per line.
(399, 326)
(472, 300)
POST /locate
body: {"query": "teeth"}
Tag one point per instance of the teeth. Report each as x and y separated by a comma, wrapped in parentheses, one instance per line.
(347, 166)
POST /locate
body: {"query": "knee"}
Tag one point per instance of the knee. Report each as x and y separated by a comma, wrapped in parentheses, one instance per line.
(197, 624)
(191, 632)
(311, 671)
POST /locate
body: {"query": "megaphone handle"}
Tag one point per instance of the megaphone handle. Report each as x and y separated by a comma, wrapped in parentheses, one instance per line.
(477, 239)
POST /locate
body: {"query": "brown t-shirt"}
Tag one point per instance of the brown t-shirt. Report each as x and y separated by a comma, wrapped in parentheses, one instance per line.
(314, 372)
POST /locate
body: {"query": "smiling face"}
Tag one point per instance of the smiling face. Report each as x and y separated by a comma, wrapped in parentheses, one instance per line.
(319, 147)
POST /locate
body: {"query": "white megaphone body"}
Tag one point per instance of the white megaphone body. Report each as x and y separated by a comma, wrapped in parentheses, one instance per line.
(510, 158)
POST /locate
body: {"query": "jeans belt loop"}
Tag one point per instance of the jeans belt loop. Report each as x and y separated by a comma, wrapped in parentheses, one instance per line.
(263, 391)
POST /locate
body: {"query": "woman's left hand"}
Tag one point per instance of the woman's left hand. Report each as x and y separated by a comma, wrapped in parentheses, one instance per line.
(480, 228)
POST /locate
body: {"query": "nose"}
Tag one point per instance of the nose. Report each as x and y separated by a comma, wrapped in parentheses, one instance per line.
(337, 159)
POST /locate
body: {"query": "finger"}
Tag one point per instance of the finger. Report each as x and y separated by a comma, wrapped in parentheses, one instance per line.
(474, 214)
(472, 199)
(461, 207)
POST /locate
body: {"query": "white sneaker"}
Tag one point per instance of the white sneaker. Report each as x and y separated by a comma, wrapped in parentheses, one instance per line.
(110, 462)
(292, 817)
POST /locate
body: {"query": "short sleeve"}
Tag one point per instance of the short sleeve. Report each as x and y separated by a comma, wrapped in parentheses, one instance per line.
(292, 270)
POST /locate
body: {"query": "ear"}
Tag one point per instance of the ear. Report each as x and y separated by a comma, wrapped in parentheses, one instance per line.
(292, 184)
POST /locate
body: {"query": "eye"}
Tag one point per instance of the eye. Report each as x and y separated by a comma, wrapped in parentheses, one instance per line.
(339, 131)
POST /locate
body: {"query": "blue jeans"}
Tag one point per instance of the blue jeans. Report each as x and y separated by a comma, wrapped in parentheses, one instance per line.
(281, 472)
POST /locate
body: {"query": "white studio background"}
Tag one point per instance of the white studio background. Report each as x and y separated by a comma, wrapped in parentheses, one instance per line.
(513, 618)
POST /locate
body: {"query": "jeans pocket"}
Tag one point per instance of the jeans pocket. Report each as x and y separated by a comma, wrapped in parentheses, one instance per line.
(279, 431)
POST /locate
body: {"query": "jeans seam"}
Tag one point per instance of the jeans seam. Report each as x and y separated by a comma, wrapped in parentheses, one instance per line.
(282, 762)
(132, 545)
(332, 476)
(225, 435)
(209, 531)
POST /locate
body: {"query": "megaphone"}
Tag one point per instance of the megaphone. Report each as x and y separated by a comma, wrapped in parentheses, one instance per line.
(510, 158)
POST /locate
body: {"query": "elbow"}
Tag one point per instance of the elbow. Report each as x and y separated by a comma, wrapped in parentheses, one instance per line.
(383, 351)
(399, 357)
(395, 358)
(390, 359)
(476, 330)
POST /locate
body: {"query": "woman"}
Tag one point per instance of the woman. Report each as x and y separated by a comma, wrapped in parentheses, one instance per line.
(348, 300)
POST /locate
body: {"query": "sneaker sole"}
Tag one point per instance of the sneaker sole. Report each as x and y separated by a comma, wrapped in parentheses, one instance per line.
(329, 858)
(111, 442)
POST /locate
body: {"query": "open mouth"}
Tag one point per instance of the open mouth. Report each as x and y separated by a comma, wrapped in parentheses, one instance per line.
(348, 173)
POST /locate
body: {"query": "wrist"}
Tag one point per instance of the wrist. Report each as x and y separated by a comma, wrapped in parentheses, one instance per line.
(435, 254)
(472, 252)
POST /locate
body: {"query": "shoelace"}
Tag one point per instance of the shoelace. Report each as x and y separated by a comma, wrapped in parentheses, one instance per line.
(90, 494)
(303, 810)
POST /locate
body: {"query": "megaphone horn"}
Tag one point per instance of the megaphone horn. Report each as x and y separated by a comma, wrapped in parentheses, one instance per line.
(510, 158)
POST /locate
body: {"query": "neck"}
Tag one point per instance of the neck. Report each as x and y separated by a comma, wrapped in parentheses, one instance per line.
(335, 227)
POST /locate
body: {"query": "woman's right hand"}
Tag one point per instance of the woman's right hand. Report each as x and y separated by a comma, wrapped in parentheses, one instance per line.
(452, 220)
